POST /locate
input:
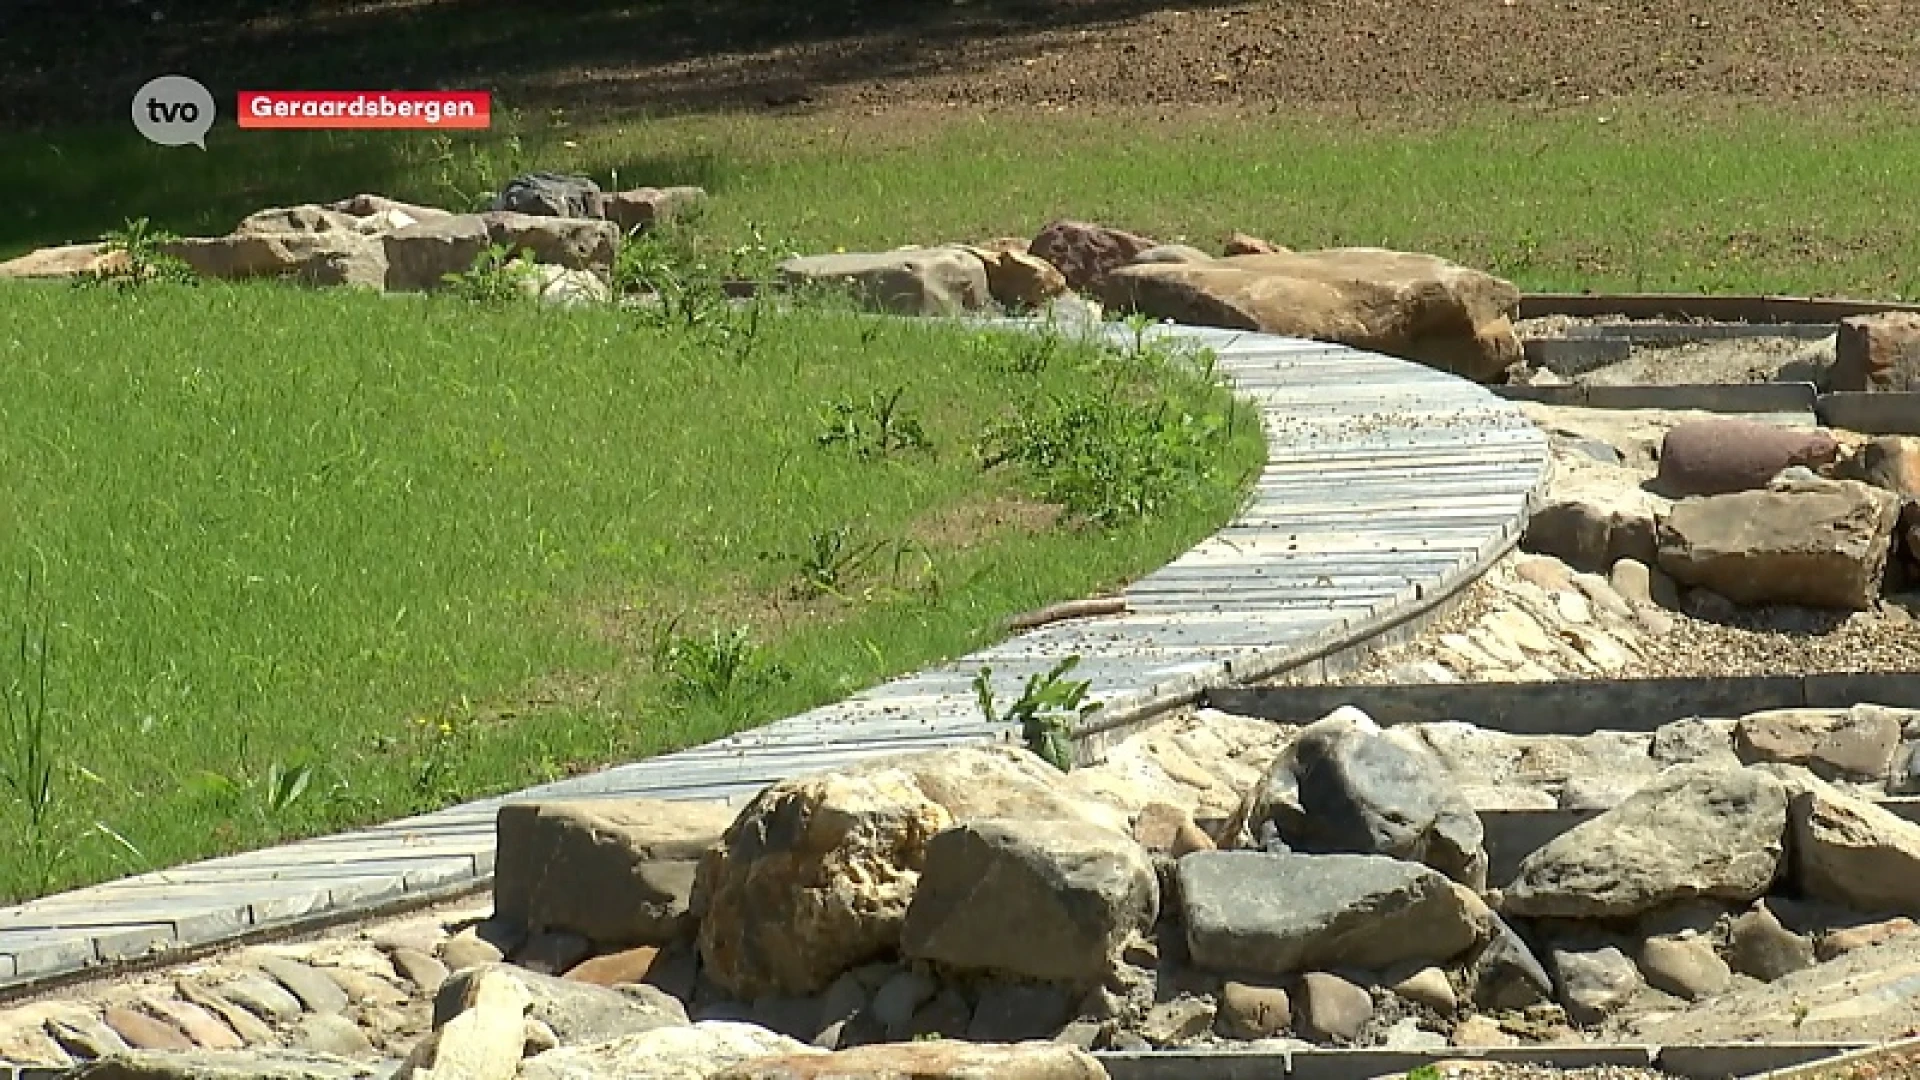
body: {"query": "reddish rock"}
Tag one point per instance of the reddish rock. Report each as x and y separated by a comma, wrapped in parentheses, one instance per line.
(1878, 352)
(144, 1032)
(612, 969)
(1087, 253)
(1719, 456)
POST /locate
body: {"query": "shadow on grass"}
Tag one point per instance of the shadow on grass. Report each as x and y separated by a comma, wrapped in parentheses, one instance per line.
(98, 178)
(79, 61)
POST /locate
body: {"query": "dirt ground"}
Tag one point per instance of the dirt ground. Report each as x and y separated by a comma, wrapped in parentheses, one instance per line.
(68, 61)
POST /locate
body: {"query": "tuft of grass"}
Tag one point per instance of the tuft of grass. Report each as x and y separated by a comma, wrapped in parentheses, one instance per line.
(323, 558)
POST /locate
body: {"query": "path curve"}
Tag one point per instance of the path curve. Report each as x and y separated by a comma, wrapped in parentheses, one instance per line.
(1388, 487)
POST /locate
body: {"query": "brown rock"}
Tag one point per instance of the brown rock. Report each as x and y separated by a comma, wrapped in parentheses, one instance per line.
(422, 970)
(1419, 307)
(68, 261)
(575, 243)
(646, 208)
(1849, 851)
(935, 1060)
(1890, 462)
(1854, 744)
(1332, 1009)
(1760, 947)
(243, 1021)
(421, 255)
(1086, 253)
(1250, 1011)
(1019, 281)
(1822, 545)
(365, 205)
(1838, 943)
(1878, 352)
(296, 219)
(815, 875)
(1721, 455)
(143, 1031)
(1684, 967)
(612, 969)
(484, 1039)
(1241, 244)
(340, 257)
(468, 949)
(1593, 532)
(1482, 1031)
(1165, 827)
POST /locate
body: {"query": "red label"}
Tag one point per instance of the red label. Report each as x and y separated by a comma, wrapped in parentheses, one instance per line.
(335, 109)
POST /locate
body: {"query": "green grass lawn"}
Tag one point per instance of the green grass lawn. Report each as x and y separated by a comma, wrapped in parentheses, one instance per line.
(1652, 195)
(313, 559)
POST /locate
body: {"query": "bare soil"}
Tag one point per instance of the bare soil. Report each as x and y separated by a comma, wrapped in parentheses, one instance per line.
(69, 61)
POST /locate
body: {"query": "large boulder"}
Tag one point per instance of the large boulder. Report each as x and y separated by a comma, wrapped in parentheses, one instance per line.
(1724, 454)
(616, 871)
(333, 257)
(1017, 280)
(575, 243)
(1693, 832)
(65, 261)
(694, 1052)
(1878, 352)
(367, 205)
(1847, 850)
(420, 256)
(1846, 744)
(1819, 543)
(1276, 914)
(1419, 307)
(306, 218)
(1086, 253)
(815, 875)
(576, 1012)
(1051, 901)
(548, 194)
(1341, 787)
(938, 1059)
(912, 281)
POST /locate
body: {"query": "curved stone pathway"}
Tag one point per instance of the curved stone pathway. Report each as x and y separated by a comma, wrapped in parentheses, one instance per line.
(1388, 486)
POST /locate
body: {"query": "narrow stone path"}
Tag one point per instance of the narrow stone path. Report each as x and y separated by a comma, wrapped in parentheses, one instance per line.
(1388, 487)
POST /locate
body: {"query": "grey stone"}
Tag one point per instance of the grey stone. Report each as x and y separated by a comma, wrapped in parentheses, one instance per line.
(795, 1017)
(324, 259)
(899, 998)
(1276, 914)
(1903, 777)
(85, 1037)
(1693, 831)
(1757, 945)
(1849, 851)
(1333, 1009)
(1504, 973)
(1407, 1034)
(1342, 788)
(420, 969)
(577, 1012)
(1594, 982)
(1043, 900)
(1592, 531)
(1695, 739)
(551, 195)
(1015, 1013)
(947, 1015)
(1686, 967)
(269, 1064)
(553, 952)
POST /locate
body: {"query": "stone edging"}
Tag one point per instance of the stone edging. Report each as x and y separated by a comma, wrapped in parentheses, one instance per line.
(1389, 486)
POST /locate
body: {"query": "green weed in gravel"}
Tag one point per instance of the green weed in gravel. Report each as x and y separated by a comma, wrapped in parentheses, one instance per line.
(312, 559)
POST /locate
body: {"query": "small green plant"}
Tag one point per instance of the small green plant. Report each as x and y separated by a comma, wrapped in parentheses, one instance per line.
(271, 796)
(664, 264)
(831, 557)
(874, 428)
(142, 259)
(724, 667)
(1045, 710)
(498, 276)
(1424, 1072)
